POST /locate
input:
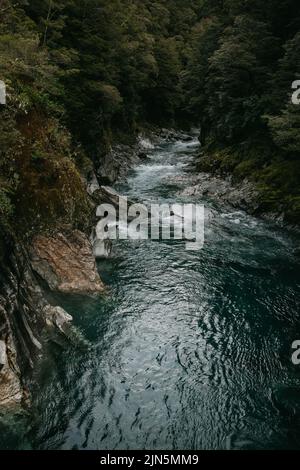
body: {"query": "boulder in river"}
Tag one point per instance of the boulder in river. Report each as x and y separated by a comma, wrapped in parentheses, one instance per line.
(66, 263)
(58, 317)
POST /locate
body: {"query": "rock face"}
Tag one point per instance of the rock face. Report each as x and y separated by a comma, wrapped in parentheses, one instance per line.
(242, 196)
(21, 321)
(57, 317)
(26, 318)
(66, 263)
(116, 163)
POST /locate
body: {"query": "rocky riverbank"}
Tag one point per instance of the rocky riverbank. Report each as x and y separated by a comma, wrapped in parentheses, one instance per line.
(253, 183)
(240, 196)
(62, 261)
(243, 196)
(66, 263)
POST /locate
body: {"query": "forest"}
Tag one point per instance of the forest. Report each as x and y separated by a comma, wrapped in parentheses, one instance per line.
(83, 74)
(177, 326)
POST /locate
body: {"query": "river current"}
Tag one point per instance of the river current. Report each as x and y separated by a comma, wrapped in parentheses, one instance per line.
(189, 349)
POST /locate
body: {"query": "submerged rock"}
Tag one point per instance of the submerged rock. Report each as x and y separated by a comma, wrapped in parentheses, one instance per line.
(66, 263)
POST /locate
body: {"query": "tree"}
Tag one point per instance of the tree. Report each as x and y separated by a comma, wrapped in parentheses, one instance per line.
(239, 71)
(285, 129)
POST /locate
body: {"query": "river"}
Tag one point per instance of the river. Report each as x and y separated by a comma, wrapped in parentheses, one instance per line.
(190, 349)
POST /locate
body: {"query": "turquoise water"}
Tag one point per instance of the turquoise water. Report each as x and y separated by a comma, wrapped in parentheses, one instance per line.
(189, 350)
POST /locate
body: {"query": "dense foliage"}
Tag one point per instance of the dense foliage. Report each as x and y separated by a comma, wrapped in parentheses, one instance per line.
(245, 56)
(82, 72)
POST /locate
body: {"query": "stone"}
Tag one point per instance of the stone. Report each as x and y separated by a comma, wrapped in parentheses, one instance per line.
(3, 355)
(106, 194)
(58, 317)
(66, 263)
